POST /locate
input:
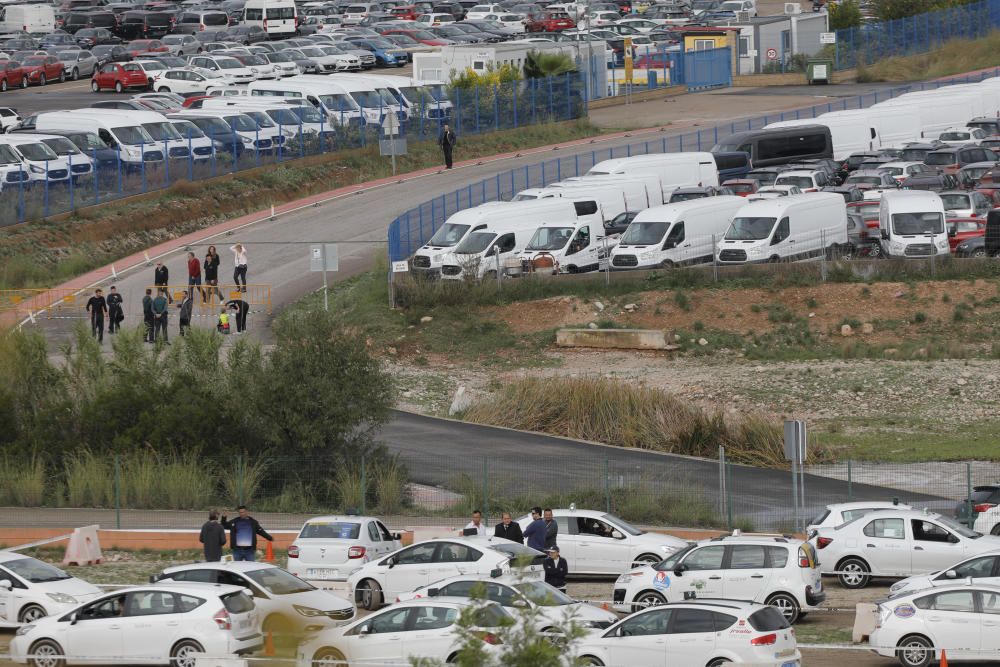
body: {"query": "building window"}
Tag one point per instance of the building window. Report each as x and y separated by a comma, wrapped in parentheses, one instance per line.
(786, 41)
(744, 47)
(704, 44)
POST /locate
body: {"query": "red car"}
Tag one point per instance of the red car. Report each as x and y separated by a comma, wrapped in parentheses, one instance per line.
(405, 13)
(991, 192)
(868, 210)
(42, 69)
(119, 76)
(742, 187)
(550, 22)
(12, 74)
(963, 229)
(137, 46)
(423, 36)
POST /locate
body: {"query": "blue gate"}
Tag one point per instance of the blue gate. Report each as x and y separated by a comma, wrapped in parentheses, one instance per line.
(710, 68)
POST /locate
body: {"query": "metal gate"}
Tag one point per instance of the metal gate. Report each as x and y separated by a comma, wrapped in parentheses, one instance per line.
(710, 68)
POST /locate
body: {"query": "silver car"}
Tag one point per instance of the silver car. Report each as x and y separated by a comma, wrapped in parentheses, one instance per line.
(182, 45)
(78, 63)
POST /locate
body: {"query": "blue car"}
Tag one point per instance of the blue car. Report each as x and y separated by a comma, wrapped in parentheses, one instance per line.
(386, 53)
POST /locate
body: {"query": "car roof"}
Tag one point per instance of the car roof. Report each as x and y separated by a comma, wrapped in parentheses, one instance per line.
(752, 539)
(798, 172)
(184, 587)
(235, 566)
(347, 518)
(861, 503)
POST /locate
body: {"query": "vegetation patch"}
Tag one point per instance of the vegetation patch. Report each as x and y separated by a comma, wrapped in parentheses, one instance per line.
(956, 56)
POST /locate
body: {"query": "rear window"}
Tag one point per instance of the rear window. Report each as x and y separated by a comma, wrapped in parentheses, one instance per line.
(333, 531)
(939, 159)
(983, 494)
(215, 19)
(103, 20)
(821, 518)
(768, 619)
(237, 603)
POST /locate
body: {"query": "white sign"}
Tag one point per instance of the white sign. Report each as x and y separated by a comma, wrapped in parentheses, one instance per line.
(390, 124)
(316, 257)
(772, 54)
(819, 72)
(828, 38)
(400, 267)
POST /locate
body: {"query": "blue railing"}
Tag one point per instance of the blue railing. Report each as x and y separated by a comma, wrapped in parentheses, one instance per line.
(414, 228)
(915, 34)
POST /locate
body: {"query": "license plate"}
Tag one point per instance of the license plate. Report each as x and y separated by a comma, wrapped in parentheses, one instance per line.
(793, 663)
(244, 624)
(321, 573)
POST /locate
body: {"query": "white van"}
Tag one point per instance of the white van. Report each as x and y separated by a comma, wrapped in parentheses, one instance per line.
(80, 164)
(165, 136)
(658, 194)
(427, 98)
(279, 114)
(614, 198)
(43, 163)
(674, 169)
(126, 135)
(561, 247)
(244, 128)
(675, 234)
(30, 18)
(278, 18)
(13, 173)
(375, 100)
(786, 229)
(327, 96)
(912, 224)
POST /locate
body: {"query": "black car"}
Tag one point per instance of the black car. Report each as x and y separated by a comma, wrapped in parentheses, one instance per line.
(111, 53)
(76, 21)
(765, 175)
(934, 182)
(243, 34)
(143, 25)
(983, 498)
(452, 8)
(88, 38)
(854, 160)
(619, 223)
(971, 247)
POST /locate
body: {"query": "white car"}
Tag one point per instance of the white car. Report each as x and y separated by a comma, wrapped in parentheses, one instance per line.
(903, 170)
(285, 602)
(639, 23)
(31, 589)
(552, 606)
(782, 190)
(414, 629)
(421, 564)
(600, 543)
(805, 180)
(148, 624)
(778, 571)
(983, 569)
(896, 543)
(749, 6)
(696, 632)
(512, 21)
(331, 548)
(961, 618)
(186, 81)
(229, 68)
(960, 136)
(482, 11)
(839, 513)
(598, 20)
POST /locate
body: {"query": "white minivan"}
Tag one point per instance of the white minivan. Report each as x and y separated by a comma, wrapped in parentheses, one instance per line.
(43, 163)
(332, 99)
(786, 229)
(675, 234)
(126, 135)
(30, 18)
(912, 224)
(278, 18)
(674, 169)
(559, 247)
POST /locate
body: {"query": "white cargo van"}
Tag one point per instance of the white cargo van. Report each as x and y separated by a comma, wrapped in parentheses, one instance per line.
(912, 224)
(614, 198)
(280, 114)
(165, 136)
(13, 173)
(375, 100)
(243, 127)
(30, 18)
(658, 194)
(428, 98)
(673, 169)
(786, 229)
(675, 234)
(559, 247)
(43, 163)
(126, 135)
(80, 164)
(278, 18)
(327, 96)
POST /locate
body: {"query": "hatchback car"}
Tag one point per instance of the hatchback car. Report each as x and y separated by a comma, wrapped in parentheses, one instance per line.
(695, 632)
(78, 63)
(43, 69)
(952, 159)
(286, 603)
(148, 624)
(960, 136)
(871, 179)
(965, 204)
(12, 75)
(331, 548)
(185, 81)
(118, 77)
(902, 170)
(91, 37)
(840, 513)
(31, 589)
(182, 45)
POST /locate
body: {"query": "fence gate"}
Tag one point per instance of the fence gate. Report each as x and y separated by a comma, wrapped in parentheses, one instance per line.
(710, 68)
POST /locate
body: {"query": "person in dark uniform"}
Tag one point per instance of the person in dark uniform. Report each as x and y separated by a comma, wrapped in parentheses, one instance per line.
(213, 536)
(147, 315)
(97, 306)
(447, 141)
(508, 530)
(115, 312)
(161, 278)
(238, 310)
(555, 570)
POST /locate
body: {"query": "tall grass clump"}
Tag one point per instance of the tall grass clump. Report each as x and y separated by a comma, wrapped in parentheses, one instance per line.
(89, 480)
(186, 482)
(628, 415)
(140, 480)
(242, 481)
(348, 488)
(23, 483)
(388, 480)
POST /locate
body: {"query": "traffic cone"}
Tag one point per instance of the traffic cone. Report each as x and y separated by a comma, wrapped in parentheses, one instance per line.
(944, 658)
(269, 552)
(269, 645)
(604, 606)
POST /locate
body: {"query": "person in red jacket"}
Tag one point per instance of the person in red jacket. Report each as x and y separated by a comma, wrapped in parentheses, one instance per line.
(194, 275)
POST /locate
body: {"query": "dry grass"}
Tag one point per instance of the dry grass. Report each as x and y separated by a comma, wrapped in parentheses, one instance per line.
(955, 57)
(629, 415)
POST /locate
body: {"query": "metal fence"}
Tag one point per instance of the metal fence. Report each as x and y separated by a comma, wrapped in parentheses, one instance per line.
(413, 228)
(914, 34)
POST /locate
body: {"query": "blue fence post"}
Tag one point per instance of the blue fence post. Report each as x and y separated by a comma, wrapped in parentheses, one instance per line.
(45, 210)
(20, 196)
(166, 163)
(142, 163)
(70, 157)
(190, 157)
(477, 109)
(97, 186)
(569, 103)
(118, 147)
(513, 87)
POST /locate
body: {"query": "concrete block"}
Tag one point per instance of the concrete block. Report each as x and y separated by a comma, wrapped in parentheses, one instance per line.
(623, 339)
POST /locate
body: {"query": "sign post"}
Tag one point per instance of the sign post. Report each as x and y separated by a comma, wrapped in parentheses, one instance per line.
(323, 257)
(392, 145)
(628, 68)
(795, 451)
(828, 38)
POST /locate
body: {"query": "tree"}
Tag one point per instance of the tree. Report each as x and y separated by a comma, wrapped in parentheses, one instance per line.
(846, 14)
(542, 65)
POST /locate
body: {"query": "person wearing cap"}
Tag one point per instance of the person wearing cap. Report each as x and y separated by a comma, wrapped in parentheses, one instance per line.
(555, 570)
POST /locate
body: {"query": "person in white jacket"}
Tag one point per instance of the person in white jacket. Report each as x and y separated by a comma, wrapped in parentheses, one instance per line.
(240, 263)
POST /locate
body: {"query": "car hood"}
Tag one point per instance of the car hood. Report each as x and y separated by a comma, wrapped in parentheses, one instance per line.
(584, 612)
(317, 599)
(911, 584)
(648, 539)
(78, 588)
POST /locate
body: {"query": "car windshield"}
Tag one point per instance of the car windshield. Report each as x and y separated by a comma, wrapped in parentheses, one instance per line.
(87, 141)
(34, 60)
(283, 117)
(940, 159)
(278, 58)
(35, 571)
(448, 235)
(621, 523)
(69, 55)
(331, 530)
(369, 99)
(801, 181)
(253, 60)
(768, 619)
(38, 152)
(263, 120)
(868, 180)
(955, 202)
(750, 229)
(61, 146)
(869, 210)
(173, 39)
(914, 154)
(161, 131)
(475, 243)
(228, 63)
(276, 581)
(306, 113)
(214, 126)
(132, 135)
(910, 224)
(954, 136)
(685, 196)
(671, 561)
(338, 102)
(975, 173)
(550, 238)
(313, 52)
(424, 34)
(187, 129)
(242, 123)
(956, 527)
(543, 595)
(644, 233)
(892, 171)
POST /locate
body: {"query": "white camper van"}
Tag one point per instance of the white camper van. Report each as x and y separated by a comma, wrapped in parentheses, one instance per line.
(786, 229)
(912, 224)
(675, 234)
(673, 169)
(563, 248)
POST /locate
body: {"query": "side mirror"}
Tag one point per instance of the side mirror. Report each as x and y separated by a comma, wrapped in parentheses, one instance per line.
(952, 232)
(397, 536)
(73, 618)
(391, 563)
(679, 569)
(5, 584)
(365, 629)
(433, 592)
(519, 603)
(951, 574)
(617, 535)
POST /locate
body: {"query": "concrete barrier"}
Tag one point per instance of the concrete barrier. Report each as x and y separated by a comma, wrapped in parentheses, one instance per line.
(623, 339)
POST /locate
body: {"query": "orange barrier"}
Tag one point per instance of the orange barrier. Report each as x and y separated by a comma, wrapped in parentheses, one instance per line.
(51, 301)
(214, 297)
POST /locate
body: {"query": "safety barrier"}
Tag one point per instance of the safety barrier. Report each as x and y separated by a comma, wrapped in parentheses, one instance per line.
(45, 302)
(214, 297)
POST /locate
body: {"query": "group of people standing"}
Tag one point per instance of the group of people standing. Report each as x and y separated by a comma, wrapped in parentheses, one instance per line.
(541, 534)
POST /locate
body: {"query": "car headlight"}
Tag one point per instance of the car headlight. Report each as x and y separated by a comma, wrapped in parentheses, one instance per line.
(962, 246)
(35, 169)
(307, 611)
(25, 629)
(623, 578)
(667, 549)
(246, 140)
(898, 586)
(62, 598)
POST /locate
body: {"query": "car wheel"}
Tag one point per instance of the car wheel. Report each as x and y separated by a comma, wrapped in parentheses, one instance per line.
(646, 559)
(76, 74)
(41, 79)
(980, 252)
(787, 605)
(94, 87)
(718, 661)
(31, 613)
(371, 595)
(183, 653)
(853, 573)
(119, 87)
(46, 652)
(915, 651)
(647, 599)
(995, 530)
(325, 655)
(163, 89)
(592, 660)
(62, 76)
(666, 264)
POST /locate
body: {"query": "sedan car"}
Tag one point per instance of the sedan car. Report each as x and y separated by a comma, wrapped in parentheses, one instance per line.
(31, 589)
(108, 53)
(548, 606)
(331, 548)
(421, 564)
(182, 45)
(840, 513)
(286, 603)
(78, 63)
(163, 625)
(599, 543)
(981, 569)
(405, 631)
(695, 632)
(896, 543)
(43, 69)
(973, 247)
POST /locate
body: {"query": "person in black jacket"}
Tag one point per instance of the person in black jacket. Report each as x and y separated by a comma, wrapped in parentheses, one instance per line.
(509, 530)
(213, 536)
(243, 532)
(161, 278)
(97, 307)
(555, 570)
(147, 315)
(115, 312)
(447, 141)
